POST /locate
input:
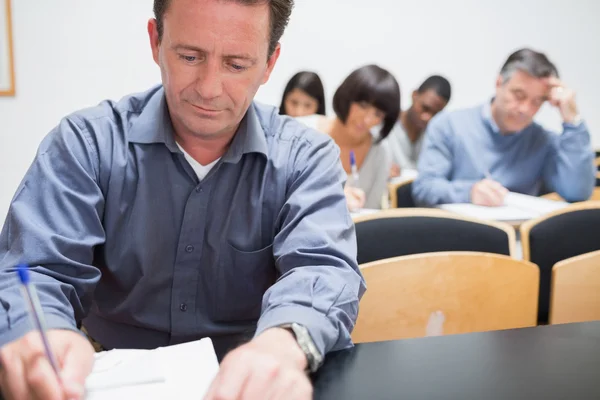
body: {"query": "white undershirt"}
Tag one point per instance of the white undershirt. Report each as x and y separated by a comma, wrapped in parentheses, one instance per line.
(200, 170)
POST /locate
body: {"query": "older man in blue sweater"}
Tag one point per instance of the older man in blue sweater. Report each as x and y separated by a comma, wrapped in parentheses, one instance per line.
(477, 155)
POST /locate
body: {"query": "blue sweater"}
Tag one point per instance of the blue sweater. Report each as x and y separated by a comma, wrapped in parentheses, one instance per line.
(461, 147)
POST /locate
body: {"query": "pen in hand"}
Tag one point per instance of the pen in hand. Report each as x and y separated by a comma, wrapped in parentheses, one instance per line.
(35, 313)
(353, 169)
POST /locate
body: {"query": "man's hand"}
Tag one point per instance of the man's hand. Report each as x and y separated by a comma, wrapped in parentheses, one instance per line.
(355, 198)
(564, 99)
(271, 366)
(488, 193)
(26, 372)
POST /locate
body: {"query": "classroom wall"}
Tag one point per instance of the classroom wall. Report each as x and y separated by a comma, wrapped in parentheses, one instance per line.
(72, 54)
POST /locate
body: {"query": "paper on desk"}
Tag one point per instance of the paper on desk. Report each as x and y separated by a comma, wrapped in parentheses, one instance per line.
(503, 213)
(406, 174)
(517, 207)
(175, 372)
(118, 368)
(535, 205)
(363, 211)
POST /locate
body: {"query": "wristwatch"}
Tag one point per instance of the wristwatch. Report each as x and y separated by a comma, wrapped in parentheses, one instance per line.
(307, 345)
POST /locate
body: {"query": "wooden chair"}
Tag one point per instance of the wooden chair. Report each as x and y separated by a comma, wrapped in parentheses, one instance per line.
(576, 289)
(475, 292)
(401, 194)
(404, 231)
(558, 236)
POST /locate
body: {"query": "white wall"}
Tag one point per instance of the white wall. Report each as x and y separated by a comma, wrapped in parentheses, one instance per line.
(72, 53)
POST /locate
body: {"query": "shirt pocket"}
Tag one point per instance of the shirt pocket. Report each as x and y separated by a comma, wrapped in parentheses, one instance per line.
(242, 280)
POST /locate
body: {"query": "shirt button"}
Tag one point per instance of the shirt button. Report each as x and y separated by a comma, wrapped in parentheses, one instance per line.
(183, 307)
(189, 248)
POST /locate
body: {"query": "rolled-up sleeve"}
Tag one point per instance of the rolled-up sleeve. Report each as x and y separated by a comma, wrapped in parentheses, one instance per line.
(315, 250)
(53, 224)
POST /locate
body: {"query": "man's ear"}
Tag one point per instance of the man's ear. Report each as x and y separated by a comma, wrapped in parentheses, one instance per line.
(154, 40)
(499, 81)
(271, 63)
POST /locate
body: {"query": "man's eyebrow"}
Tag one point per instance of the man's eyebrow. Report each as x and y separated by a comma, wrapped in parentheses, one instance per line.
(240, 56)
(187, 47)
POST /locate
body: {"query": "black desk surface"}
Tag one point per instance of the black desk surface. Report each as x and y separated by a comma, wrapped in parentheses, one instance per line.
(546, 362)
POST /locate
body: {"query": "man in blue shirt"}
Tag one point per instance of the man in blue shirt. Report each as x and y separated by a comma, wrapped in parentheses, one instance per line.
(477, 155)
(184, 212)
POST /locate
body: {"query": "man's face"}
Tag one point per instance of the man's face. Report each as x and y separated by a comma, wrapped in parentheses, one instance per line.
(518, 100)
(424, 107)
(213, 58)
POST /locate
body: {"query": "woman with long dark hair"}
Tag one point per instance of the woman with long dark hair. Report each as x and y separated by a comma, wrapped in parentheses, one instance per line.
(303, 95)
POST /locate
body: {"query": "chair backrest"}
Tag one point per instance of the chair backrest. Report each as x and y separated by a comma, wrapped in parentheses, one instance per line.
(598, 168)
(400, 232)
(558, 236)
(475, 292)
(576, 289)
(401, 194)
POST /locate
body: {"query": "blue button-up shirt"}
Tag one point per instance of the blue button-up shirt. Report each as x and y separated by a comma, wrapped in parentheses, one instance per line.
(121, 235)
(462, 147)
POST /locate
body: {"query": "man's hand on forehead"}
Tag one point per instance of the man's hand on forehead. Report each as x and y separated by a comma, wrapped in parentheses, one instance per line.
(562, 97)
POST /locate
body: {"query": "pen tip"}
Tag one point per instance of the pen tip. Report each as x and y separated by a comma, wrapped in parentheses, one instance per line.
(23, 271)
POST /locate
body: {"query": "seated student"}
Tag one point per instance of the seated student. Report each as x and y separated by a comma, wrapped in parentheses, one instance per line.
(479, 154)
(405, 140)
(368, 97)
(303, 95)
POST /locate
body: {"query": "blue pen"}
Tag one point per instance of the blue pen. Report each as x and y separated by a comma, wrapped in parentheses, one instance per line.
(353, 168)
(35, 312)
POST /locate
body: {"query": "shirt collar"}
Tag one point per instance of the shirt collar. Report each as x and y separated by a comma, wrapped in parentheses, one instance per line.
(486, 114)
(249, 138)
(488, 119)
(154, 126)
(154, 123)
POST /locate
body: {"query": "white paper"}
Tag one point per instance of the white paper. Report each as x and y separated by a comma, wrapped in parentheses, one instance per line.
(435, 324)
(517, 207)
(536, 205)
(176, 372)
(363, 211)
(503, 213)
(405, 175)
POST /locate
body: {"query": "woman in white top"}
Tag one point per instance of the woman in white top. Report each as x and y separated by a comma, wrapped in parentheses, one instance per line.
(368, 97)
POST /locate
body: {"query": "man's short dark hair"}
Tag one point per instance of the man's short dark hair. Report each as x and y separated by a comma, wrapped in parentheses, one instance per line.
(529, 61)
(374, 85)
(439, 85)
(280, 11)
